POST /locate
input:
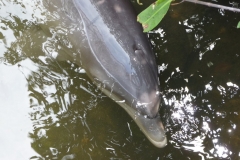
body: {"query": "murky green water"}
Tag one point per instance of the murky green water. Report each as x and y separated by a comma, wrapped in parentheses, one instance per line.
(51, 110)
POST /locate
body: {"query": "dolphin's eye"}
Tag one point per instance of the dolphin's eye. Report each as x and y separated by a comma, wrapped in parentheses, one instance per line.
(138, 52)
(136, 47)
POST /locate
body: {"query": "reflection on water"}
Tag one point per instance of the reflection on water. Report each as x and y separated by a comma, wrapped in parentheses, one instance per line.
(14, 118)
(48, 103)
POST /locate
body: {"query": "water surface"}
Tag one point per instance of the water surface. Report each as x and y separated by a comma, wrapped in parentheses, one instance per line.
(51, 110)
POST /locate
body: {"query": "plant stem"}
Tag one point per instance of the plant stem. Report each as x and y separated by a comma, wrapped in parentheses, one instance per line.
(214, 5)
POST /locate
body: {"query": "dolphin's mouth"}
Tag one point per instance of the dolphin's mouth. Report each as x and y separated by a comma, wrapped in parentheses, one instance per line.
(151, 127)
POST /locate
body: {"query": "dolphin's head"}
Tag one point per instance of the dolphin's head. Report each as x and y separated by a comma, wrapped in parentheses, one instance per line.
(130, 79)
(127, 73)
(120, 61)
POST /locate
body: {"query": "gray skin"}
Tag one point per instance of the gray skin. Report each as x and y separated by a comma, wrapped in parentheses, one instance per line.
(118, 59)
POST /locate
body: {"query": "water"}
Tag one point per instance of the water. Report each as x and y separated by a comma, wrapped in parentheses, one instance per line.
(51, 110)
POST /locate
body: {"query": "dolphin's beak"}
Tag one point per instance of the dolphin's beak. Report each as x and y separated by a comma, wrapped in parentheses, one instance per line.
(151, 127)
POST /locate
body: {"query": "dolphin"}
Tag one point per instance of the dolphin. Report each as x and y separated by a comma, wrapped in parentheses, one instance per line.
(118, 58)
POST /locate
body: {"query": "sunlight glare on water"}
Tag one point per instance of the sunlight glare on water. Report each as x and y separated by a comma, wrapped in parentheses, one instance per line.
(14, 115)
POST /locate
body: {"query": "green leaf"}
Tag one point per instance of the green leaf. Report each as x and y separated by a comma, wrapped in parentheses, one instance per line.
(238, 26)
(152, 15)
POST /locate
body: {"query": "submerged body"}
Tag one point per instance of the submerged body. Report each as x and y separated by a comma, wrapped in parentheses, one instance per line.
(118, 58)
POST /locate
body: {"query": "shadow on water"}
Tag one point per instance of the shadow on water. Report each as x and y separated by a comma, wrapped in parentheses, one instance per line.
(197, 53)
